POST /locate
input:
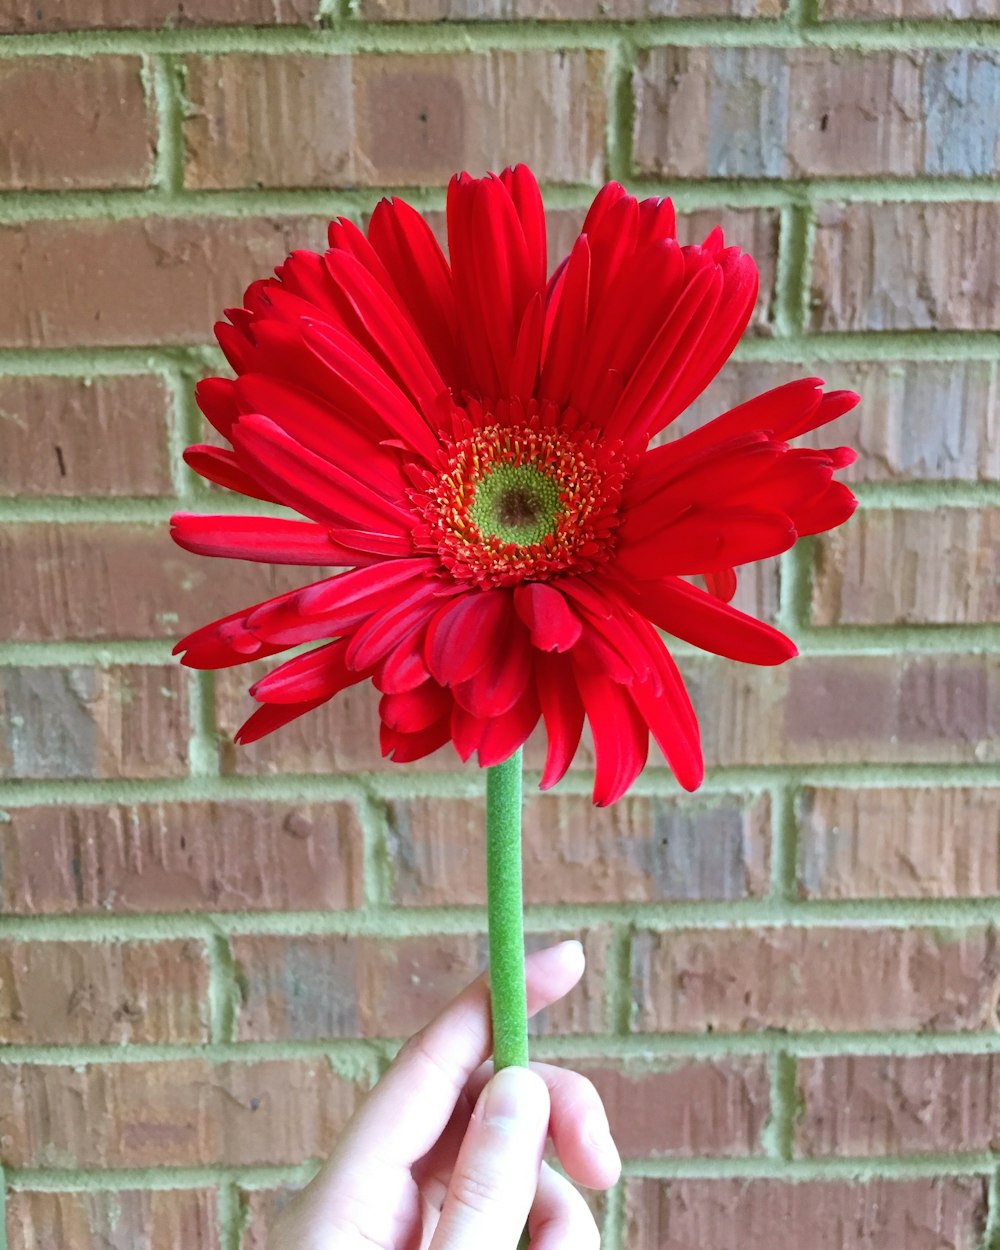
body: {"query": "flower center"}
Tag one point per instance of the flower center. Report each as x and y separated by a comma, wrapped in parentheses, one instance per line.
(522, 492)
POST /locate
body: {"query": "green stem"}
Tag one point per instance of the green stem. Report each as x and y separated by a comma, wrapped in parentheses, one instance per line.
(505, 908)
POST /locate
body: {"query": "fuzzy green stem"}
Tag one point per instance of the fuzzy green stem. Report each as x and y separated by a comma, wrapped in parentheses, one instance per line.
(505, 906)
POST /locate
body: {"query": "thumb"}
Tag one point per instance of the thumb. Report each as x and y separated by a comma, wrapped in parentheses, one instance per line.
(496, 1174)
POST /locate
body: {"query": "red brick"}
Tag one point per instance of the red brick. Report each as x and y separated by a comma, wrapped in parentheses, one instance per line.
(882, 10)
(917, 420)
(891, 1105)
(159, 281)
(120, 580)
(261, 1207)
(85, 721)
(741, 981)
(127, 1219)
(919, 843)
(304, 988)
(413, 119)
(687, 1108)
(556, 10)
(75, 993)
(907, 267)
(877, 570)
(81, 122)
(888, 709)
(639, 850)
(931, 1214)
(163, 857)
(101, 436)
(185, 1113)
(29, 17)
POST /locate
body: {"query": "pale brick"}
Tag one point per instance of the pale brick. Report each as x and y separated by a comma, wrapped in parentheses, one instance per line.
(85, 721)
(307, 988)
(894, 1105)
(162, 281)
(84, 436)
(739, 981)
(910, 567)
(889, 10)
(927, 1214)
(76, 993)
(128, 1219)
(30, 17)
(81, 122)
(164, 857)
(406, 120)
(184, 1113)
(919, 843)
(639, 850)
(683, 1109)
(907, 267)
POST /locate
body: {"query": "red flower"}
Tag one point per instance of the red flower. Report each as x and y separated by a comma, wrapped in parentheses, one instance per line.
(473, 440)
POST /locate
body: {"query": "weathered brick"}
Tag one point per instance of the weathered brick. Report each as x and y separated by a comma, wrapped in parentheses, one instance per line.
(875, 571)
(827, 1215)
(81, 122)
(907, 267)
(137, 282)
(918, 420)
(304, 988)
(184, 1113)
(84, 436)
(261, 1207)
(163, 857)
(882, 10)
(129, 1219)
(556, 10)
(807, 112)
(687, 1108)
(105, 581)
(816, 979)
(919, 843)
(410, 120)
(844, 709)
(896, 1105)
(85, 721)
(639, 850)
(29, 17)
(73, 993)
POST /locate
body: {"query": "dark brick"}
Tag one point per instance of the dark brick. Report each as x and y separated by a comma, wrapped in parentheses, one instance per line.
(128, 1219)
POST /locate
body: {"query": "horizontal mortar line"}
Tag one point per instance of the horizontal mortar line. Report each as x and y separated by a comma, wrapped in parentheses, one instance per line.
(654, 782)
(928, 494)
(154, 651)
(885, 640)
(641, 1051)
(103, 1180)
(746, 192)
(399, 922)
(798, 1170)
(91, 362)
(424, 38)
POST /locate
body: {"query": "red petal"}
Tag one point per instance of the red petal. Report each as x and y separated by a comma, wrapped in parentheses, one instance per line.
(830, 510)
(621, 737)
(553, 624)
(318, 674)
(565, 325)
(528, 350)
(672, 721)
(220, 465)
(705, 541)
(464, 633)
(502, 680)
(562, 709)
(527, 199)
(415, 710)
(217, 401)
(386, 629)
(264, 539)
(403, 748)
(722, 584)
(271, 717)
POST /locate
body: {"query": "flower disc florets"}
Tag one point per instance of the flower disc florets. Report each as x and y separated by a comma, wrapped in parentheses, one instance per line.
(524, 492)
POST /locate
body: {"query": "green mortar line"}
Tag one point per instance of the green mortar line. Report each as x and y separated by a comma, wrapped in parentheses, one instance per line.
(863, 1168)
(99, 362)
(614, 1231)
(778, 1138)
(421, 37)
(621, 110)
(991, 1233)
(3, 1209)
(795, 236)
(618, 982)
(230, 1216)
(904, 640)
(223, 990)
(106, 1180)
(393, 922)
(784, 846)
(372, 815)
(103, 654)
(939, 494)
(794, 587)
(203, 745)
(352, 1058)
(169, 166)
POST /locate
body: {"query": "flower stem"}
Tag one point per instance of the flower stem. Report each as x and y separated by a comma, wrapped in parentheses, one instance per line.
(505, 908)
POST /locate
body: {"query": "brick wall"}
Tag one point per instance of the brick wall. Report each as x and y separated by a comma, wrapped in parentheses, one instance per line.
(207, 954)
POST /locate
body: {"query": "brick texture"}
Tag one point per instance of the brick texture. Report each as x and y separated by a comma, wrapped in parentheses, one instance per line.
(816, 979)
(185, 1113)
(555, 10)
(413, 120)
(800, 112)
(882, 10)
(28, 17)
(86, 436)
(129, 1219)
(838, 1215)
(914, 843)
(167, 857)
(74, 993)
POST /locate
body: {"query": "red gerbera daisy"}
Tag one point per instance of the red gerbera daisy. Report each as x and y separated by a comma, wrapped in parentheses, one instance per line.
(473, 440)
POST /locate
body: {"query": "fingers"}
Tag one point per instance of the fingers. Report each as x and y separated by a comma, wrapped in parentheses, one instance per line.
(496, 1174)
(578, 1124)
(409, 1108)
(560, 1218)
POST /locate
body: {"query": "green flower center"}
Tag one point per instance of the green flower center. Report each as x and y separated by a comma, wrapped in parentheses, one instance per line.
(515, 503)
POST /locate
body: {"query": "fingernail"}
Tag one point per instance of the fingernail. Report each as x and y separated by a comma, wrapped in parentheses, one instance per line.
(507, 1096)
(597, 1133)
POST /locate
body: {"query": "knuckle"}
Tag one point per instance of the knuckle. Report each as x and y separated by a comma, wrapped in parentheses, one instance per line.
(475, 1187)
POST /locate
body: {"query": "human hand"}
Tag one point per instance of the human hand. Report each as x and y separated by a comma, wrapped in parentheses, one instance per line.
(442, 1157)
